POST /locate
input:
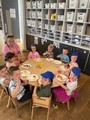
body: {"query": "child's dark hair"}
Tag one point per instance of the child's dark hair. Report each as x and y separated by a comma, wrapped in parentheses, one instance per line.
(2, 66)
(9, 55)
(65, 48)
(33, 45)
(50, 80)
(10, 36)
(12, 69)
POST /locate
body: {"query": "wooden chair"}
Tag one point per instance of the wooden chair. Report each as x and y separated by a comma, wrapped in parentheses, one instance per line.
(41, 102)
(68, 103)
(18, 104)
(4, 89)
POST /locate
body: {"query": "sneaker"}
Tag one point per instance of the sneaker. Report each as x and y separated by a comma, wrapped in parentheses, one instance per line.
(55, 107)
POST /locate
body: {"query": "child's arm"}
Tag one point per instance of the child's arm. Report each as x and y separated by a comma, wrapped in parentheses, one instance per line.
(63, 86)
(58, 56)
(6, 81)
(15, 91)
(35, 90)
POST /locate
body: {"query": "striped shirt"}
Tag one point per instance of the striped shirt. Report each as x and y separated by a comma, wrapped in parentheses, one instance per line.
(21, 91)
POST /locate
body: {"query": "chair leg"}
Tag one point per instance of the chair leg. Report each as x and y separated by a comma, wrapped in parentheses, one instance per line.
(17, 112)
(8, 104)
(32, 112)
(75, 99)
(48, 113)
(1, 95)
(68, 107)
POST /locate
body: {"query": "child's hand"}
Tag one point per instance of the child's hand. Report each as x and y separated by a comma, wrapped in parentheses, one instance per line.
(18, 82)
(36, 84)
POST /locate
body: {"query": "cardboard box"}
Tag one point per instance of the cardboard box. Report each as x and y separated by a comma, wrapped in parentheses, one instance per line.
(46, 5)
(33, 14)
(79, 29)
(46, 26)
(39, 4)
(39, 14)
(60, 17)
(62, 5)
(52, 27)
(69, 27)
(73, 3)
(80, 16)
(34, 4)
(53, 5)
(83, 4)
(70, 16)
(27, 5)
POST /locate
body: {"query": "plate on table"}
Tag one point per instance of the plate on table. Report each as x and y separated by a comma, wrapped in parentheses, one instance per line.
(49, 59)
(61, 77)
(25, 73)
(38, 59)
(26, 66)
(32, 77)
(57, 62)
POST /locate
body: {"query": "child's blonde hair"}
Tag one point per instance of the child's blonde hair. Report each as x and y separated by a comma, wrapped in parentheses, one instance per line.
(51, 46)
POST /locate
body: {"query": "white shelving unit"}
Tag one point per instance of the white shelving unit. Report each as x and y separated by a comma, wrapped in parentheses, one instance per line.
(63, 21)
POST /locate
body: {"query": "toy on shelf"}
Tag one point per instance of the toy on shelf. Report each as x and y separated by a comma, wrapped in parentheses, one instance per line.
(53, 16)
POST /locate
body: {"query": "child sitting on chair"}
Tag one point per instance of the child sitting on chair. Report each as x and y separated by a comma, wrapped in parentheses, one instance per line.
(4, 76)
(63, 93)
(64, 57)
(11, 60)
(49, 53)
(16, 87)
(45, 89)
(73, 62)
(33, 53)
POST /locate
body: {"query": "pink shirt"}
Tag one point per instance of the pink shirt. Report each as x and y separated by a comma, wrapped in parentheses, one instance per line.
(33, 55)
(7, 49)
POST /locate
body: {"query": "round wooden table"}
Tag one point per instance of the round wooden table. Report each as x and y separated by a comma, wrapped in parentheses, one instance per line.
(46, 65)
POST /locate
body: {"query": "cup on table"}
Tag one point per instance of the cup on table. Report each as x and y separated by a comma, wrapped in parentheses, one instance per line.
(40, 64)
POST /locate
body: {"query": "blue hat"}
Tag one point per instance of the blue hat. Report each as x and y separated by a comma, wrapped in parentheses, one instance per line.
(48, 74)
(76, 71)
(74, 54)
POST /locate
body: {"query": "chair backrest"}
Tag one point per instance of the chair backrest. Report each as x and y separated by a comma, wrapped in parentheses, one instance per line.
(42, 101)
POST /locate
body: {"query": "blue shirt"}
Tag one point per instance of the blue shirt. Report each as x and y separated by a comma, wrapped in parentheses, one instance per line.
(65, 57)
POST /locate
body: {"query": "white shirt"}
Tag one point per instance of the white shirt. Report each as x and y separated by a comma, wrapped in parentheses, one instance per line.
(2, 80)
(71, 86)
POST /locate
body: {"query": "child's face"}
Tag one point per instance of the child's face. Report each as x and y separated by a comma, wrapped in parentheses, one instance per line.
(12, 59)
(45, 81)
(72, 76)
(10, 41)
(65, 52)
(50, 49)
(4, 72)
(74, 58)
(33, 48)
(16, 75)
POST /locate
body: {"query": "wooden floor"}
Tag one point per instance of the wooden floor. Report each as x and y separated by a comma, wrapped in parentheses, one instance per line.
(78, 111)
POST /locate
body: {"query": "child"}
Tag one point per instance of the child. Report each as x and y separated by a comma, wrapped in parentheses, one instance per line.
(73, 62)
(11, 60)
(33, 54)
(4, 77)
(64, 57)
(49, 53)
(16, 87)
(63, 93)
(45, 89)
